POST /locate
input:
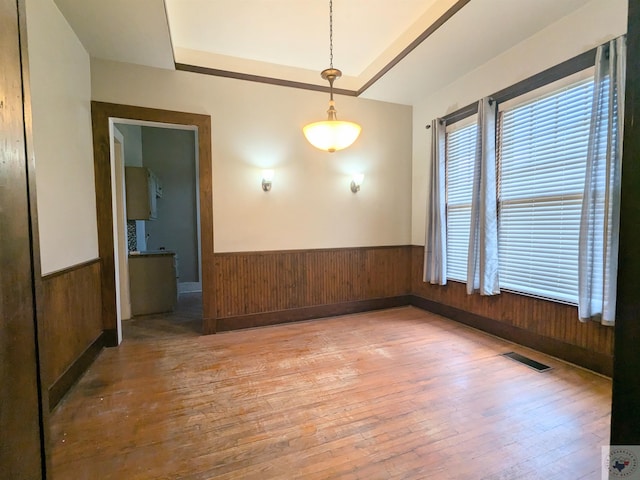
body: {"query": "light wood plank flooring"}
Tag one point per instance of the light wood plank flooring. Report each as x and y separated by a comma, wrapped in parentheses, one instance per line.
(394, 394)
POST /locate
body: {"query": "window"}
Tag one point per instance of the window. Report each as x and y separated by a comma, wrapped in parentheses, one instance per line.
(542, 156)
(460, 153)
(542, 149)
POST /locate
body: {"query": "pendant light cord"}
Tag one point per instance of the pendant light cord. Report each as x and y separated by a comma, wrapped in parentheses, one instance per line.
(331, 33)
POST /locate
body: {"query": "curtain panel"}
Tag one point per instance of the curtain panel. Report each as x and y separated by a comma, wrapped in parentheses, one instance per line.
(600, 219)
(482, 266)
(435, 244)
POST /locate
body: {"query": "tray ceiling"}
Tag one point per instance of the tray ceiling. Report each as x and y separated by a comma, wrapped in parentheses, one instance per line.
(288, 40)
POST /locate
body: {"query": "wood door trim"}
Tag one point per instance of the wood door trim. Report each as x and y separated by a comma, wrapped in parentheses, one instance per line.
(101, 112)
(23, 422)
(625, 406)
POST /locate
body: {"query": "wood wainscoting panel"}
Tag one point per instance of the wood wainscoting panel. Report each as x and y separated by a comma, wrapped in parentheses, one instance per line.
(525, 320)
(72, 323)
(260, 284)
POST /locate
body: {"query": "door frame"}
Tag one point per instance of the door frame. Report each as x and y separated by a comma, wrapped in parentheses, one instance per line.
(101, 114)
(123, 301)
(24, 399)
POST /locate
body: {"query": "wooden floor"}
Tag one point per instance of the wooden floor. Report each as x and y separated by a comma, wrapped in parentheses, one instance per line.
(394, 394)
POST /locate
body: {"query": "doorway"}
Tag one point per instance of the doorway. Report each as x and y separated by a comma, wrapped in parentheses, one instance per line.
(158, 246)
(104, 115)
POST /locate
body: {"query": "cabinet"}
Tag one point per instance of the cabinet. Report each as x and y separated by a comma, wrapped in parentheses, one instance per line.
(142, 188)
(153, 282)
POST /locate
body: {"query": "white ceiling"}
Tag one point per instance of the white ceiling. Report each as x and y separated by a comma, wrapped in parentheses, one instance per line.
(289, 39)
(133, 31)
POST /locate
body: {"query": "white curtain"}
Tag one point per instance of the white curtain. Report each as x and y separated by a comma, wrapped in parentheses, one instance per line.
(482, 266)
(600, 220)
(435, 244)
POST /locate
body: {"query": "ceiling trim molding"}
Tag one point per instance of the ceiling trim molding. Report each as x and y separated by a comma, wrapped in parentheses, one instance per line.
(166, 19)
(261, 79)
(421, 38)
(185, 67)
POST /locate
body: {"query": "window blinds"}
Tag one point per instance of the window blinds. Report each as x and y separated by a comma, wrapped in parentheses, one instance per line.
(542, 157)
(460, 148)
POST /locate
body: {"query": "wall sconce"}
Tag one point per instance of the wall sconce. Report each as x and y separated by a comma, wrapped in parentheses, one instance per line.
(356, 181)
(267, 179)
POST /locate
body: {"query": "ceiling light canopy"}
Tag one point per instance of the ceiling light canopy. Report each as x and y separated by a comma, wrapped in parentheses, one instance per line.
(331, 134)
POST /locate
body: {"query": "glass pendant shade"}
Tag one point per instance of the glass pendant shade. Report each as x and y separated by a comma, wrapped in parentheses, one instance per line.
(331, 135)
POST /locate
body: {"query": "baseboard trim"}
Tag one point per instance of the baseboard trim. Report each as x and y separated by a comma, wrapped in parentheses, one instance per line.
(189, 287)
(209, 326)
(597, 362)
(63, 384)
(304, 313)
(110, 337)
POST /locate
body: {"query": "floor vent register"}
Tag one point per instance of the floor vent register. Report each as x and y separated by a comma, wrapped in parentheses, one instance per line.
(537, 366)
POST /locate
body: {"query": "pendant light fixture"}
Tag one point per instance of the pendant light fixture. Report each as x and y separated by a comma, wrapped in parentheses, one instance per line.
(331, 134)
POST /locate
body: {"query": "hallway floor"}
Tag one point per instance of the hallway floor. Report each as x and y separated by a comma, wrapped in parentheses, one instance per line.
(184, 321)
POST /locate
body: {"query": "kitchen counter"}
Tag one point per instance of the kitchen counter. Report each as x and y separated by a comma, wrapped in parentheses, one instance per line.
(147, 253)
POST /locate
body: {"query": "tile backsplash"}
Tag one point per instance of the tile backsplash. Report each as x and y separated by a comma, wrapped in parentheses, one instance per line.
(132, 236)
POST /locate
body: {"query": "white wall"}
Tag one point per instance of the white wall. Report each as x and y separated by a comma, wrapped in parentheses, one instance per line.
(132, 144)
(592, 25)
(61, 95)
(257, 126)
(170, 154)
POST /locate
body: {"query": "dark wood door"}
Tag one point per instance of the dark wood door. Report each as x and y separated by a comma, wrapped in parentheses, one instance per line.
(21, 445)
(625, 408)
